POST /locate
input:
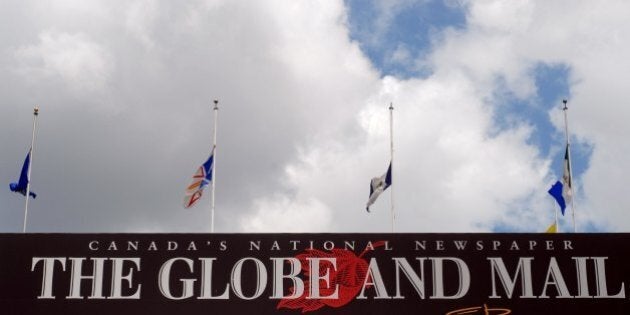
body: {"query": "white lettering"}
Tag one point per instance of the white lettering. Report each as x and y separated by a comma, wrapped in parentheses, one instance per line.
(165, 279)
(47, 275)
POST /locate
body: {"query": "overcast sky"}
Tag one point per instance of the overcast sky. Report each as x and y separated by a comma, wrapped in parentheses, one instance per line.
(125, 91)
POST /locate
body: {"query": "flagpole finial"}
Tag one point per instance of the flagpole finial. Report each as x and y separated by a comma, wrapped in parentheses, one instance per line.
(565, 105)
(391, 106)
(36, 111)
(216, 104)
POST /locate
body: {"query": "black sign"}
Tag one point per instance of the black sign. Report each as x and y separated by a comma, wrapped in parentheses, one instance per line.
(315, 273)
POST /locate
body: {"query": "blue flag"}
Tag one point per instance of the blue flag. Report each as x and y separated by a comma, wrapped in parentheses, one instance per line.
(556, 192)
(201, 179)
(20, 186)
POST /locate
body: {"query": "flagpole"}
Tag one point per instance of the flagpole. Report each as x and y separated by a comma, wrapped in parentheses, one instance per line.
(30, 167)
(556, 214)
(566, 132)
(214, 161)
(391, 147)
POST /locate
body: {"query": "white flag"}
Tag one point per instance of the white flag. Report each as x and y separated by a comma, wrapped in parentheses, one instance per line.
(378, 185)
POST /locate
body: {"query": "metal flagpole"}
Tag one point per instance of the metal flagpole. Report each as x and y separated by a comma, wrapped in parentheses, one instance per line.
(30, 167)
(568, 152)
(391, 147)
(556, 213)
(214, 161)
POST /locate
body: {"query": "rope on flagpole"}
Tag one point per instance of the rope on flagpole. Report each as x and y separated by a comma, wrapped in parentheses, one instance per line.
(566, 131)
(30, 167)
(556, 215)
(391, 147)
(214, 162)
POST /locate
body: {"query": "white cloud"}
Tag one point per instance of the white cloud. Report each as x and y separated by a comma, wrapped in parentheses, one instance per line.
(140, 20)
(460, 172)
(287, 215)
(83, 64)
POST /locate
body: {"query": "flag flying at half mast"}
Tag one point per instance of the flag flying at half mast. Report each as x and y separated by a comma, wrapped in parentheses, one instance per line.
(378, 185)
(567, 181)
(557, 192)
(21, 185)
(561, 191)
(553, 228)
(201, 179)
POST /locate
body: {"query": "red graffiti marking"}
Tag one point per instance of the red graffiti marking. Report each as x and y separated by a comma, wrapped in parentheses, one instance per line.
(349, 277)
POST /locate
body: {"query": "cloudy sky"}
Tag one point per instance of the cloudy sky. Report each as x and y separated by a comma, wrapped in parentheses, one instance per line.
(125, 91)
